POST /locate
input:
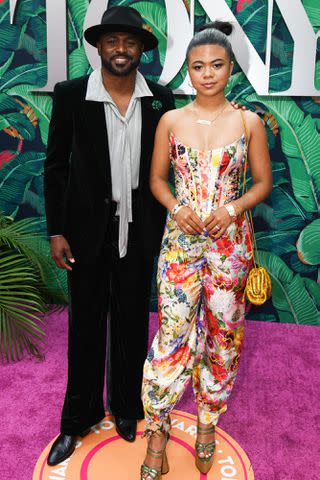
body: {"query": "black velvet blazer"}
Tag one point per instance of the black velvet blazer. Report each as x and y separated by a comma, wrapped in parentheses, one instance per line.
(77, 172)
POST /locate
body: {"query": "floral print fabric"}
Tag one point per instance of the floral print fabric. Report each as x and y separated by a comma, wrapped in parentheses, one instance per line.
(200, 291)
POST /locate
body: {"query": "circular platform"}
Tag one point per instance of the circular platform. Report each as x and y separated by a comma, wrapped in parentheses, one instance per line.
(103, 454)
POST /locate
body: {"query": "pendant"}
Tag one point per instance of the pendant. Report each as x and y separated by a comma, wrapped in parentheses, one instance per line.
(203, 122)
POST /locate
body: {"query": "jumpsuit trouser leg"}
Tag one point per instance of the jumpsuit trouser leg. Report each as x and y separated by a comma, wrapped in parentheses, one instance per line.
(200, 336)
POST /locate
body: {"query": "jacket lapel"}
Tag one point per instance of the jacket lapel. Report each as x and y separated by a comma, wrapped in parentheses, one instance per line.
(96, 124)
(147, 137)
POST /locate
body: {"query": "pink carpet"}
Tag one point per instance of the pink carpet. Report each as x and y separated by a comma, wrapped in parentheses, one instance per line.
(273, 412)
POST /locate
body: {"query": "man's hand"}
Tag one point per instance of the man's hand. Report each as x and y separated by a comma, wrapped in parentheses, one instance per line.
(237, 106)
(60, 250)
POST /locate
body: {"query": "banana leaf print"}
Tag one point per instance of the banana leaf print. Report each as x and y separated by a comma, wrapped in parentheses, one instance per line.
(287, 224)
(308, 244)
(155, 15)
(293, 301)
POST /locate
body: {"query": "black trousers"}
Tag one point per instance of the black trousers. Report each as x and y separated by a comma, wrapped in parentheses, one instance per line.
(121, 286)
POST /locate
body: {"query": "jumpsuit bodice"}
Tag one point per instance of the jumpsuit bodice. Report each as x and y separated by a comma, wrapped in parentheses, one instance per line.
(207, 179)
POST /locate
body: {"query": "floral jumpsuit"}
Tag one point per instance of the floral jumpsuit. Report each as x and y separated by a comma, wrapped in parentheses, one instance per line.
(200, 291)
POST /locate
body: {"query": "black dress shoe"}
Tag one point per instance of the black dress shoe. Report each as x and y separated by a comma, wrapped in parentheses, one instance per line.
(63, 447)
(127, 429)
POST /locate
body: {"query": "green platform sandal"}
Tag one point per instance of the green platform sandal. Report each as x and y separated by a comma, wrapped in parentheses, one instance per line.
(205, 451)
(149, 473)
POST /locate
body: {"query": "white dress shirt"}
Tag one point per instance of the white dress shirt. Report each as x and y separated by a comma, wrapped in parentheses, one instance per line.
(124, 138)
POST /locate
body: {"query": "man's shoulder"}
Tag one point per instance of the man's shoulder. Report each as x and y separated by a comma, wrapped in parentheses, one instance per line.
(158, 90)
(73, 86)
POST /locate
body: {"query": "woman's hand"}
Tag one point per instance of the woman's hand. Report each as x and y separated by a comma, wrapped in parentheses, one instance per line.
(218, 222)
(188, 221)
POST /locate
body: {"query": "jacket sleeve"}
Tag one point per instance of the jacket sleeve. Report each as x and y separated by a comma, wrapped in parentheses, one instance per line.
(56, 166)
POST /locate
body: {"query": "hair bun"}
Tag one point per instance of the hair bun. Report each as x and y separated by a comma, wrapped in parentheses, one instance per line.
(224, 27)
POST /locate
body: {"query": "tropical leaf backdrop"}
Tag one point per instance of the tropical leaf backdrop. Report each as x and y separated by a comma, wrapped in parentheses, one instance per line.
(287, 224)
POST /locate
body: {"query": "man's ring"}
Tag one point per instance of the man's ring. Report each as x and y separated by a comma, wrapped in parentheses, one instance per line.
(217, 227)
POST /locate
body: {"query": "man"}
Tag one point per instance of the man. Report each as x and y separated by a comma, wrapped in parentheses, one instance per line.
(105, 225)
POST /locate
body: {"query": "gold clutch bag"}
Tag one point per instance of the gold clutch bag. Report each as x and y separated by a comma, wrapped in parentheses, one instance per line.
(258, 287)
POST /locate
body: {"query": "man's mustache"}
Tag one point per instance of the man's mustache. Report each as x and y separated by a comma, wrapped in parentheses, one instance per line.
(121, 55)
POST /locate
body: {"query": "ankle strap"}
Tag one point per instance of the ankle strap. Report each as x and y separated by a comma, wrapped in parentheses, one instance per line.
(206, 431)
(155, 453)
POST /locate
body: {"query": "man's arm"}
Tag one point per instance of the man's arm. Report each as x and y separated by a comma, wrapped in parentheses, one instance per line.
(56, 172)
(56, 166)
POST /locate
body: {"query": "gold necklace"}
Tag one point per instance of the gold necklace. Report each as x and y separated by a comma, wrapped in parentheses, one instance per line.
(202, 121)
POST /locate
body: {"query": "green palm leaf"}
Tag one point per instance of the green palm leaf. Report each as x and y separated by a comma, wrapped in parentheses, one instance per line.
(30, 45)
(279, 242)
(8, 104)
(308, 243)
(287, 210)
(37, 28)
(253, 20)
(19, 122)
(9, 35)
(301, 145)
(27, 237)
(31, 74)
(15, 179)
(21, 307)
(76, 15)
(313, 12)
(290, 296)
(78, 63)
(4, 67)
(155, 15)
(41, 104)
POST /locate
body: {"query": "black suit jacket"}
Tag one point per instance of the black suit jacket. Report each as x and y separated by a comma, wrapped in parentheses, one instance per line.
(77, 174)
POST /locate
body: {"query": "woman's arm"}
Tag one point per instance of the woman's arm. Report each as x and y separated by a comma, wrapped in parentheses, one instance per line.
(186, 218)
(160, 165)
(260, 165)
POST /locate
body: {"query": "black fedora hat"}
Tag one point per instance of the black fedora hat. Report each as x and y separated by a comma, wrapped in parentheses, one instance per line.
(122, 19)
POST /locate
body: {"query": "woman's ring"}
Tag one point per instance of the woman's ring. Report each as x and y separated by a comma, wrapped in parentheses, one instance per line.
(217, 227)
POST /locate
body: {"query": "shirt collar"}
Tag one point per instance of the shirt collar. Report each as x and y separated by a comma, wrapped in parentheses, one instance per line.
(96, 91)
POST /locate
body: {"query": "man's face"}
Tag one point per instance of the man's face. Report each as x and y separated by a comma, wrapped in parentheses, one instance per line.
(120, 52)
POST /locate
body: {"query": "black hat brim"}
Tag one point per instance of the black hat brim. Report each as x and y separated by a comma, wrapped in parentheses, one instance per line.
(92, 34)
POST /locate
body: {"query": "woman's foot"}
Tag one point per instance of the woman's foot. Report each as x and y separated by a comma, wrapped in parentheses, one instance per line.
(156, 463)
(205, 446)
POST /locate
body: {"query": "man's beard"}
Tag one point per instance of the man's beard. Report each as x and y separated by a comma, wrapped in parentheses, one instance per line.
(120, 71)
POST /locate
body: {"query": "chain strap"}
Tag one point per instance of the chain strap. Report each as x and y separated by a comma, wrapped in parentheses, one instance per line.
(254, 247)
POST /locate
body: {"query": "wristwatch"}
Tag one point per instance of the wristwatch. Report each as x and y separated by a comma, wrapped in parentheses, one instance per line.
(176, 209)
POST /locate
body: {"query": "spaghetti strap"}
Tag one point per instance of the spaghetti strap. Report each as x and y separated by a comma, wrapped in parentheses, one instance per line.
(245, 126)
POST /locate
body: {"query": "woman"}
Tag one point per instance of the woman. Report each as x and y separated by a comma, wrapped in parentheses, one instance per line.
(206, 254)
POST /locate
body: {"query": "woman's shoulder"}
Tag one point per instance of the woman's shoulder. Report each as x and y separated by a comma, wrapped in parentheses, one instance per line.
(251, 118)
(255, 125)
(172, 116)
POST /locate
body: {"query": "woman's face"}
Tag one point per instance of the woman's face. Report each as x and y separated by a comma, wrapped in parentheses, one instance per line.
(209, 68)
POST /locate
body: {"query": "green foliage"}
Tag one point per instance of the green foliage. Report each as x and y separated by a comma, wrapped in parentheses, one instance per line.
(28, 283)
(155, 15)
(308, 243)
(293, 301)
(21, 307)
(16, 177)
(287, 223)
